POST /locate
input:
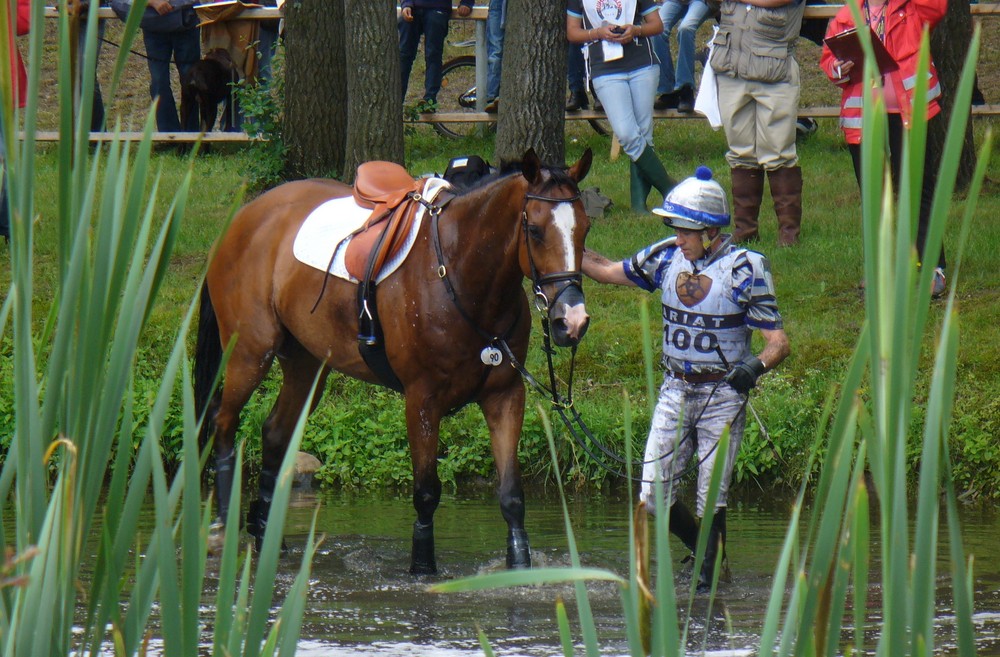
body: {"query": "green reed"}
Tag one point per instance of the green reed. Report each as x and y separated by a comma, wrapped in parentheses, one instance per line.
(79, 471)
(819, 603)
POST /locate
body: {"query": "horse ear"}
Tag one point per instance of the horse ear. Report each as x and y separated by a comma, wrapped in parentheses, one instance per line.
(531, 166)
(579, 170)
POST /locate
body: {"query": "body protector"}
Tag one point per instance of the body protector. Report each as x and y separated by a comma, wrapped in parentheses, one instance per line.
(710, 305)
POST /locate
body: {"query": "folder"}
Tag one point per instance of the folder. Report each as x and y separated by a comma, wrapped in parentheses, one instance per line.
(846, 45)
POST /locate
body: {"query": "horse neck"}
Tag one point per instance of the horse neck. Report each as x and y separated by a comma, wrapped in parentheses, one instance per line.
(485, 229)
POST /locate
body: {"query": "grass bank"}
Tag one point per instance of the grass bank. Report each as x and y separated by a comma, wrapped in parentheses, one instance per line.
(359, 432)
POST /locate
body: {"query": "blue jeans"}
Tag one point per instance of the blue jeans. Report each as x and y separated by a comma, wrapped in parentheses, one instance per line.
(628, 102)
(433, 25)
(185, 50)
(496, 24)
(690, 16)
(575, 68)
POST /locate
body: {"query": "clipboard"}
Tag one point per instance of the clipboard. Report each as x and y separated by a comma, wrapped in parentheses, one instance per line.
(846, 45)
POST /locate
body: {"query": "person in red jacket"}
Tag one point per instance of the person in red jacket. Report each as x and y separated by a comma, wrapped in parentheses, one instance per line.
(19, 79)
(899, 25)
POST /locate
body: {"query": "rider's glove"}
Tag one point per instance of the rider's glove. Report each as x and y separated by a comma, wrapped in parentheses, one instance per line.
(744, 376)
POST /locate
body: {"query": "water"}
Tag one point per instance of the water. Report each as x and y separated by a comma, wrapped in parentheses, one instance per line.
(363, 601)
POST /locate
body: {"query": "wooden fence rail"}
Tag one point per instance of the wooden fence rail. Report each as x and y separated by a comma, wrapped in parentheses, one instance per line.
(478, 15)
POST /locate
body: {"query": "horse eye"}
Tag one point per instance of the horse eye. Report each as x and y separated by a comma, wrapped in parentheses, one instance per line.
(536, 232)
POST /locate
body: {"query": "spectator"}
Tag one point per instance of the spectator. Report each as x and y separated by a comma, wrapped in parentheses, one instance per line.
(19, 80)
(624, 71)
(676, 88)
(97, 104)
(713, 293)
(496, 22)
(576, 78)
(267, 42)
(753, 56)
(430, 19)
(184, 47)
(899, 25)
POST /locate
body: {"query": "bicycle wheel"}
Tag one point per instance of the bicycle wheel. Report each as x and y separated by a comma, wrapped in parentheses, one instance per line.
(458, 94)
(600, 126)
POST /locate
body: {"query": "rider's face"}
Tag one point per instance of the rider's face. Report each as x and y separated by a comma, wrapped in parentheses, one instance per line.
(691, 243)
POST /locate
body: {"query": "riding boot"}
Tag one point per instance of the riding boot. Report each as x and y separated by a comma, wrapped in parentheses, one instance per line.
(651, 168)
(260, 509)
(748, 192)
(786, 191)
(224, 484)
(716, 546)
(683, 525)
(638, 189)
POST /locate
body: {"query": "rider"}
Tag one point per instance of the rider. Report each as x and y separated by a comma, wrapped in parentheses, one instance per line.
(714, 294)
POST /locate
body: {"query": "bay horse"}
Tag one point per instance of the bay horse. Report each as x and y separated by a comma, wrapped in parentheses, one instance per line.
(458, 293)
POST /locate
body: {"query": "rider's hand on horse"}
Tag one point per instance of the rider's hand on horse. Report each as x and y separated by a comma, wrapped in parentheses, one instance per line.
(744, 376)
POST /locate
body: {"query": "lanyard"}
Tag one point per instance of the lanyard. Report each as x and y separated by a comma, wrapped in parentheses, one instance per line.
(879, 25)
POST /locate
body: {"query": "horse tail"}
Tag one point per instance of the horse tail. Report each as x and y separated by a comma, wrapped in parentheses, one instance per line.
(207, 358)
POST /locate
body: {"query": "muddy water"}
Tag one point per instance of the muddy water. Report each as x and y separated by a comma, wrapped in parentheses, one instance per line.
(362, 601)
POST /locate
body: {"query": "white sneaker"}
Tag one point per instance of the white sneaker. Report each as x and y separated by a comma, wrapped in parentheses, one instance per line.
(939, 286)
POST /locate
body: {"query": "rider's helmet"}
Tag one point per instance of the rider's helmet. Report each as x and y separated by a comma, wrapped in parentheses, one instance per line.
(696, 203)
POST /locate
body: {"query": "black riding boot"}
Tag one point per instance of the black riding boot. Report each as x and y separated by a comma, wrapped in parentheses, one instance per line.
(683, 525)
(716, 546)
(260, 509)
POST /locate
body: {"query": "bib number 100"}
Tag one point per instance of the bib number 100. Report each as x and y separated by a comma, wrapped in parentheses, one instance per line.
(703, 342)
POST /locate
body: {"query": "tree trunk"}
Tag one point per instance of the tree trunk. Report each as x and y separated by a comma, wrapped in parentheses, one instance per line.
(949, 47)
(533, 82)
(374, 107)
(315, 121)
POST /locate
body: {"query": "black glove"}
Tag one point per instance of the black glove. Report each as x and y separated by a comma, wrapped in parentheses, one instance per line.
(744, 376)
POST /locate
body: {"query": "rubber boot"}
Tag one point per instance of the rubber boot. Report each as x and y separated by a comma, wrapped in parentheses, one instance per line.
(786, 191)
(748, 192)
(638, 189)
(684, 526)
(651, 168)
(716, 546)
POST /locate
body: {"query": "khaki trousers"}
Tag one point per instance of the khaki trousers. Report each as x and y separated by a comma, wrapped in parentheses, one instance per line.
(759, 120)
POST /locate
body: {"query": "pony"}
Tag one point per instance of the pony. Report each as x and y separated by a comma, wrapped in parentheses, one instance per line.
(453, 318)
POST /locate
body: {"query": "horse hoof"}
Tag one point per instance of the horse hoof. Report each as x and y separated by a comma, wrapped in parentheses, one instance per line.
(423, 569)
(518, 553)
(216, 538)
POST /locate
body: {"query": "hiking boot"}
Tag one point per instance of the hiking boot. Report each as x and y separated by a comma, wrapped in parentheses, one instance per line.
(666, 101)
(685, 100)
(577, 101)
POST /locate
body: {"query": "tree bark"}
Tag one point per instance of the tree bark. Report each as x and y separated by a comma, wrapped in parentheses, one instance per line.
(949, 47)
(315, 121)
(374, 107)
(533, 82)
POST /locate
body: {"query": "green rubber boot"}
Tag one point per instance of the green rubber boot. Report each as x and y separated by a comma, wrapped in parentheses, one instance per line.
(639, 189)
(652, 170)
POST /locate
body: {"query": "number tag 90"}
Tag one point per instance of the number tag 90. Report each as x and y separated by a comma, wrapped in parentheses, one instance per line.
(491, 356)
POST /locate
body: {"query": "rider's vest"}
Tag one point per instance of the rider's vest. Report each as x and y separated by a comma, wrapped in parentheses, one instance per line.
(757, 43)
(694, 335)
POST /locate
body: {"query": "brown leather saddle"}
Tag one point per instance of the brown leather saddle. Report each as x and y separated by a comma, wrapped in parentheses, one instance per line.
(389, 191)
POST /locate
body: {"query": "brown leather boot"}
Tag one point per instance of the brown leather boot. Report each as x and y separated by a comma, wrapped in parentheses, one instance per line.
(786, 191)
(748, 191)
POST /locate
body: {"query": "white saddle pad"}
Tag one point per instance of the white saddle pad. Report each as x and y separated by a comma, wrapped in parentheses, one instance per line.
(323, 238)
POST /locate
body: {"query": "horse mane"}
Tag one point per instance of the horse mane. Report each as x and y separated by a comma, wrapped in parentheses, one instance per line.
(557, 176)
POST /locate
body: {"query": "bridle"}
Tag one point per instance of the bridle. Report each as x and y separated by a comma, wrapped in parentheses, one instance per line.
(568, 278)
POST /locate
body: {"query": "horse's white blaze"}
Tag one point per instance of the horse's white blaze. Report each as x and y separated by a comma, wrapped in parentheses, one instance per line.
(564, 219)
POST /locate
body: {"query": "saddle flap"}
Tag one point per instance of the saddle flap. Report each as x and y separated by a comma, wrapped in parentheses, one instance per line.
(397, 225)
(382, 183)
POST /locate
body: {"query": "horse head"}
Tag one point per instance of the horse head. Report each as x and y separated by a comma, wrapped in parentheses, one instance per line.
(554, 226)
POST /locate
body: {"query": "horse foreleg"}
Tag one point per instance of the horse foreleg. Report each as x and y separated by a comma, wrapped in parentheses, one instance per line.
(423, 423)
(298, 369)
(504, 413)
